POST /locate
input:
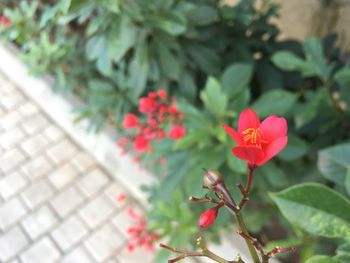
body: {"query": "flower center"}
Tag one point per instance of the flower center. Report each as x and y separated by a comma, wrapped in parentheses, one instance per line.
(253, 136)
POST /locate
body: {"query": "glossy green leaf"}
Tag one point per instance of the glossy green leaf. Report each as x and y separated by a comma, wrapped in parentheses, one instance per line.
(236, 78)
(287, 60)
(213, 97)
(322, 259)
(334, 163)
(172, 23)
(316, 209)
(274, 102)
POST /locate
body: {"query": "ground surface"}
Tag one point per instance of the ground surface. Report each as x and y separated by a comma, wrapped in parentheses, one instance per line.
(56, 203)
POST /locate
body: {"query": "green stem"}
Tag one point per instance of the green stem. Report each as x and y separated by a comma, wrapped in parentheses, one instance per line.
(214, 257)
(251, 248)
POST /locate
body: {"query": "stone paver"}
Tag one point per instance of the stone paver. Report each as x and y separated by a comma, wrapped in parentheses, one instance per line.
(11, 212)
(11, 243)
(39, 222)
(104, 243)
(69, 233)
(43, 251)
(57, 204)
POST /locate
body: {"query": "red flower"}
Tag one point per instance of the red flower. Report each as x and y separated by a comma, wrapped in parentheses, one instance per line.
(147, 104)
(258, 142)
(208, 217)
(140, 144)
(177, 131)
(162, 94)
(130, 121)
(5, 21)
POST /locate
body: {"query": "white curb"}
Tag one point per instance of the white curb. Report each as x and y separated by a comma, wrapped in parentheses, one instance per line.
(59, 108)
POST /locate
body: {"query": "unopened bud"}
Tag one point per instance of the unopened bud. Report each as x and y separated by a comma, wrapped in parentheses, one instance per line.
(208, 217)
(212, 179)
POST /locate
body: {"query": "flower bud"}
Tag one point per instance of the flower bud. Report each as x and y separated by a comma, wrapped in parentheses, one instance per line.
(212, 178)
(208, 217)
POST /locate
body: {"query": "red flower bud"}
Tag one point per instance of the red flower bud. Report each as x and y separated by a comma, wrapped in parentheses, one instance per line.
(130, 121)
(208, 217)
(177, 132)
(147, 105)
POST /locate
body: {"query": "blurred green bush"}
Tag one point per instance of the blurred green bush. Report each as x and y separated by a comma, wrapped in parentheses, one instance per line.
(216, 60)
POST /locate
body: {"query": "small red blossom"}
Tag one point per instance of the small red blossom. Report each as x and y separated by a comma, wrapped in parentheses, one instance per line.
(140, 144)
(172, 110)
(147, 104)
(121, 198)
(139, 235)
(5, 21)
(162, 94)
(208, 217)
(162, 160)
(258, 142)
(177, 132)
(130, 121)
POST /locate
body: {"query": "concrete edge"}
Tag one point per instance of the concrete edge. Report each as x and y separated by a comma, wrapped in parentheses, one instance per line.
(59, 108)
(102, 145)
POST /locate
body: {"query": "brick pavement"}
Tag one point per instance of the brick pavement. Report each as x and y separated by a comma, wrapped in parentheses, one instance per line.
(56, 203)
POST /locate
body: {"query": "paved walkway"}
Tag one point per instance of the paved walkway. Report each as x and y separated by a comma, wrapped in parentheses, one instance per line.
(56, 203)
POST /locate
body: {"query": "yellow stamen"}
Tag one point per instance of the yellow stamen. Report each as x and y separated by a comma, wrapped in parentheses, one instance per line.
(253, 136)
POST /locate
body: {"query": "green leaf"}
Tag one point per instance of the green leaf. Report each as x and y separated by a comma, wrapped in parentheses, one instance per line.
(287, 60)
(316, 209)
(296, 148)
(111, 5)
(203, 15)
(213, 97)
(236, 77)
(95, 46)
(274, 175)
(343, 253)
(172, 23)
(76, 5)
(310, 109)
(347, 181)
(343, 76)
(274, 102)
(314, 55)
(334, 163)
(322, 259)
(169, 63)
(235, 164)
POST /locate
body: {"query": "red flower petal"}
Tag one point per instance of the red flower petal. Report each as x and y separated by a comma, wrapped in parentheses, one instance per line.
(252, 154)
(248, 119)
(273, 128)
(234, 135)
(273, 148)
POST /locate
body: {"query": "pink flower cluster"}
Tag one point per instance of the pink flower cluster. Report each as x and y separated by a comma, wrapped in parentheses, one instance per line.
(158, 111)
(138, 234)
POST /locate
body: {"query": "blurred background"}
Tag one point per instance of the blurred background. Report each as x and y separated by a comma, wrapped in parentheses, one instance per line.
(158, 78)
